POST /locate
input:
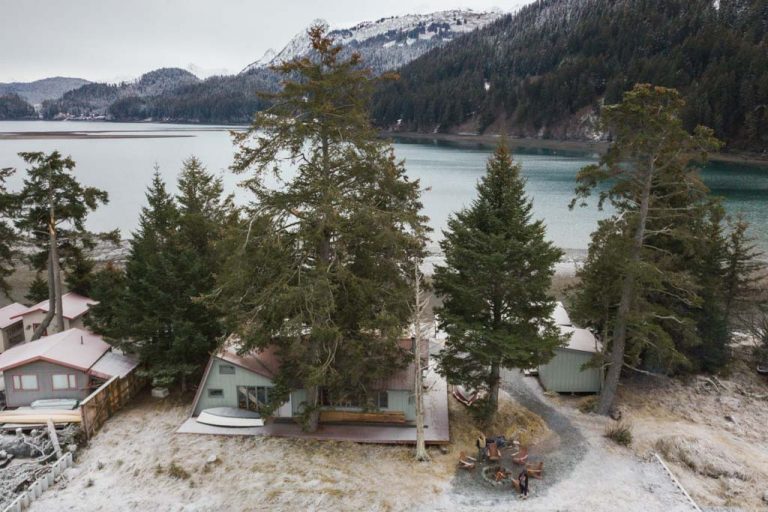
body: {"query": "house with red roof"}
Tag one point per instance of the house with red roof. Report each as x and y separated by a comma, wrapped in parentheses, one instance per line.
(245, 381)
(70, 364)
(11, 326)
(75, 308)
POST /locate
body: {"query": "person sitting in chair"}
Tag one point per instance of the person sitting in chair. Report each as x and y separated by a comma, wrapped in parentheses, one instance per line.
(523, 479)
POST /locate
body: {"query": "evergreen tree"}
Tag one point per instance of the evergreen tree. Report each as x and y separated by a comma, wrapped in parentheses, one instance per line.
(156, 308)
(7, 233)
(495, 284)
(639, 287)
(53, 209)
(323, 266)
(38, 290)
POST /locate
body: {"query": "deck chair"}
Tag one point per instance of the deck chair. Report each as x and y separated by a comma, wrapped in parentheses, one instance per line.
(521, 457)
(466, 462)
(493, 452)
(536, 470)
(516, 484)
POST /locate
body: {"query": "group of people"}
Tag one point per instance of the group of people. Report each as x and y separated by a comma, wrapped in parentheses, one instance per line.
(521, 482)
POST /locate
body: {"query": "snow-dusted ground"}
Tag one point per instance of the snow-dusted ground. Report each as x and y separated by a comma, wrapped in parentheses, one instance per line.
(134, 462)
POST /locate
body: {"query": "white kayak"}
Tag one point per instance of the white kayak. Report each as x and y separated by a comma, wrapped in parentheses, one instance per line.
(230, 417)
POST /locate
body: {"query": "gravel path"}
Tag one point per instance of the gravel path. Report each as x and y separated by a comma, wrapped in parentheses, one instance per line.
(561, 451)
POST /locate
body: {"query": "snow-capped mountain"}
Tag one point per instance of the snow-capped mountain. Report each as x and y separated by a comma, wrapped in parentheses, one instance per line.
(388, 43)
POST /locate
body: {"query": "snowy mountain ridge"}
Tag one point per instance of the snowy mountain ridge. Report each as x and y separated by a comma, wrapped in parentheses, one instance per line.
(388, 43)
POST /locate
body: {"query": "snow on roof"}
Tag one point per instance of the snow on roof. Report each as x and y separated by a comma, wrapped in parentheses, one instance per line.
(74, 305)
(8, 314)
(560, 315)
(112, 364)
(580, 339)
(74, 348)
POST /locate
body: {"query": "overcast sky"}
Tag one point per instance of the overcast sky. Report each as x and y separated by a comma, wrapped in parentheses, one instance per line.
(109, 40)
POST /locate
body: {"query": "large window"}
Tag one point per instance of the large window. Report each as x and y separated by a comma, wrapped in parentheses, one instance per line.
(64, 381)
(253, 398)
(25, 382)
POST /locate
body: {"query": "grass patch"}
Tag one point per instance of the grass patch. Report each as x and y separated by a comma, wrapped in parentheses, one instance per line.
(588, 404)
(178, 472)
(620, 433)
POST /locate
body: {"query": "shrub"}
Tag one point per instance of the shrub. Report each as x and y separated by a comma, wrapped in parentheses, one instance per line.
(620, 433)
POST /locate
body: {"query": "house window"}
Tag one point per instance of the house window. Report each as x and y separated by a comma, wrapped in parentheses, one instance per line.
(25, 382)
(215, 393)
(382, 400)
(226, 369)
(64, 381)
(252, 398)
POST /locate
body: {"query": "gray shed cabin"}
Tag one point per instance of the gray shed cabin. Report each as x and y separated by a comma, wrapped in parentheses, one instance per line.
(69, 364)
(245, 381)
(565, 372)
(11, 325)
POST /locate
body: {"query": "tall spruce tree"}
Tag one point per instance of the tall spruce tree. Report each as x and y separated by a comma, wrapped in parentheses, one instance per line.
(495, 284)
(7, 233)
(639, 286)
(53, 209)
(156, 309)
(323, 266)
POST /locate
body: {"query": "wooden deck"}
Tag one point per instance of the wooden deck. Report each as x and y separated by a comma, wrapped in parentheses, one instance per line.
(436, 429)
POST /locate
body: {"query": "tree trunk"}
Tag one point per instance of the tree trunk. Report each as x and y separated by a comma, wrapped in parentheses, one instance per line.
(53, 249)
(421, 445)
(493, 388)
(51, 304)
(618, 345)
(313, 399)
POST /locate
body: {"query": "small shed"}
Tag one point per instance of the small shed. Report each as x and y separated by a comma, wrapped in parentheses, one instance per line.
(566, 372)
(11, 326)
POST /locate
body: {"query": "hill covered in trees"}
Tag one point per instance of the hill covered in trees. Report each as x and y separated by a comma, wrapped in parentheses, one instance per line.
(545, 71)
(13, 106)
(385, 44)
(40, 90)
(95, 99)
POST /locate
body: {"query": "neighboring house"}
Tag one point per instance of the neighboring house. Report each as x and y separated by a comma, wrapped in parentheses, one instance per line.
(246, 381)
(11, 327)
(75, 308)
(69, 364)
(565, 372)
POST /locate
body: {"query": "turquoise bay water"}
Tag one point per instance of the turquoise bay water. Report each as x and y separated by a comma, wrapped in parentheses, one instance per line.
(448, 173)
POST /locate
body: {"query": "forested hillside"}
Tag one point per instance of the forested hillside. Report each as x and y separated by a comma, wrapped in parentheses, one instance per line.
(13, 106)
(95, 99)
(40, 90)
(545, 71)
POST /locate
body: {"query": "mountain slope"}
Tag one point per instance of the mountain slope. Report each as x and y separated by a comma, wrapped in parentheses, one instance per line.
(40, 90)
(95, 99)
(385, 44)
(388, 43)
(546, 70)
(13, 106)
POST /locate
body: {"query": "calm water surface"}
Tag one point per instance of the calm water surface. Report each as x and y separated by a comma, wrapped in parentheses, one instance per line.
(124, 167)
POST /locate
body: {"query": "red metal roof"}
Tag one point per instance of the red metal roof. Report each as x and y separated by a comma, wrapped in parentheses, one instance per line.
(74, 305)
(8, 314)
(74, 348)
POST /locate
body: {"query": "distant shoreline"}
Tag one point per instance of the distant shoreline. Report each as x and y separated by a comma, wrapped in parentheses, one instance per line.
(562, 145)
(465, 139)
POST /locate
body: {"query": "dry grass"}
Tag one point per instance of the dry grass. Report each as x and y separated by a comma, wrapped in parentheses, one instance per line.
(512, 421)
(620, 433)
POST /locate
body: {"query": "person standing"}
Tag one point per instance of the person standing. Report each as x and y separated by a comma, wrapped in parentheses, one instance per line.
(523, 479)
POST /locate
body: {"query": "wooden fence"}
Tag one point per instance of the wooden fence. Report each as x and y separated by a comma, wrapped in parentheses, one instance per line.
(109, 398)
